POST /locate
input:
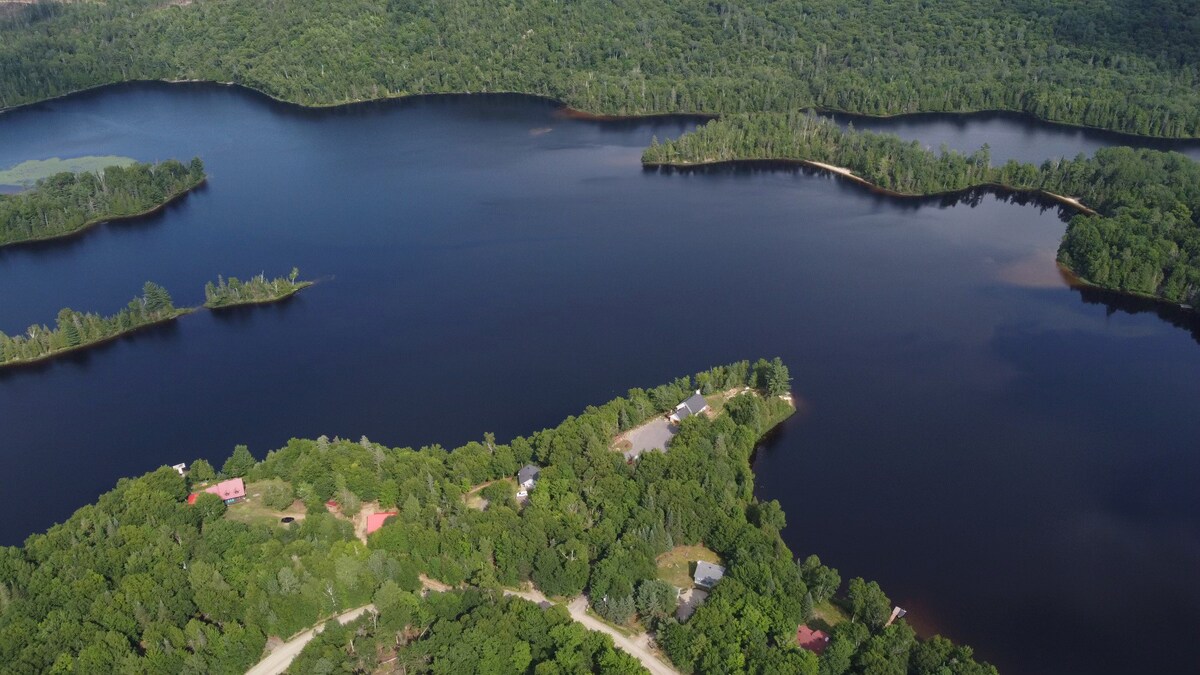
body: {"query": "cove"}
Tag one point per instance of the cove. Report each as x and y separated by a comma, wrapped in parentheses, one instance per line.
(1011, 458)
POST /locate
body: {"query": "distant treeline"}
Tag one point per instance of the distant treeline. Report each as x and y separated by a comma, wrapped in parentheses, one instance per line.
(256, 290)
(68, 202)
(1145, 237)
(143, 582)
(75, 330)
(1127, 66)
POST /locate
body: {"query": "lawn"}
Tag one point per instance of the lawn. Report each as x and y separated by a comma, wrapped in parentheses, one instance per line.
(253, 511)
(675, 566)
(827, 615)
(28, 173)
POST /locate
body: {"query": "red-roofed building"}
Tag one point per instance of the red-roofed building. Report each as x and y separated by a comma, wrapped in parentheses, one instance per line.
(376, 520)
(814, 641)
(228, 490)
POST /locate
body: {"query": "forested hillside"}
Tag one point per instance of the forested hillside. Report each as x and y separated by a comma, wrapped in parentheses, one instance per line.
(1144, 239)
(66, 203)
(1120, 65)
(143, 582)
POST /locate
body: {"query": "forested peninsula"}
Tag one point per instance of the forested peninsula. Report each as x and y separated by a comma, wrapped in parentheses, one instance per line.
(143, 581)
(67, 203)
(1139, 226)
(76, 330)
(1125, 66)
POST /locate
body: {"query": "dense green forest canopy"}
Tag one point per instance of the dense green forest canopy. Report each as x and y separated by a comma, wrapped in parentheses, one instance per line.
(1144, 238)
(1127, 66)
(142, 582)
(68, 202)
(256, 290)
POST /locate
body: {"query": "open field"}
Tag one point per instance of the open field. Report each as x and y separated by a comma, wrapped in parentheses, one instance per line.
(29, 172)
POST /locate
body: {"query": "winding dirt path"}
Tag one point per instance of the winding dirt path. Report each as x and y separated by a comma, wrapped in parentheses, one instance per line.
(278, 661)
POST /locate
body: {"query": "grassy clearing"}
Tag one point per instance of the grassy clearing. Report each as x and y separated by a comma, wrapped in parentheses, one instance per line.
(29, 172)
(716, 402)
(675, 566)
(827, 615)
(253, 511)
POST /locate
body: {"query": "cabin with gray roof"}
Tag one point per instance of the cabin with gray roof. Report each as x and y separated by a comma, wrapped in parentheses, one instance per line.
(693, 406)
(707, 574)
(528, 476)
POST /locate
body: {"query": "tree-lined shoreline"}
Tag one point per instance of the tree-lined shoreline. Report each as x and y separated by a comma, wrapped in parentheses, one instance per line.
(67, 204)
(75, 331)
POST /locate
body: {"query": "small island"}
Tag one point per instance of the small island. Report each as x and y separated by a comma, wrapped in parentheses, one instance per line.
(1136, 227)
(67, 203)
(258, 290)
(77, 330)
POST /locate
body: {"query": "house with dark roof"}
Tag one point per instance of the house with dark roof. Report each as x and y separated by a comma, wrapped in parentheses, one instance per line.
(707, 574)
(527, 477)
(693, 406)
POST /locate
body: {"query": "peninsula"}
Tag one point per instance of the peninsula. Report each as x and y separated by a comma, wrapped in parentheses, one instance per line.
(68, 203)
(1137, 229)
(75, 330)
(199, 583)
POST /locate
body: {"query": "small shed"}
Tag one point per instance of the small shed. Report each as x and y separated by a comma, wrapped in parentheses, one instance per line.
(376, 520)
(694, 405)
(814, 641)
(708, 574)
(181, 468)
(528, 476)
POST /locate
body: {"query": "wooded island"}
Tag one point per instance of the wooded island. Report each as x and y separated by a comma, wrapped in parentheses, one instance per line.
(67, 203)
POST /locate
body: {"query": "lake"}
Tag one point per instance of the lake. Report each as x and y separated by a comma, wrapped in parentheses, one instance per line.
(1014, 460)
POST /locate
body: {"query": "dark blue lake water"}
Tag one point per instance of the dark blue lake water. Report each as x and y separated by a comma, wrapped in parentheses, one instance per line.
(1014, 460)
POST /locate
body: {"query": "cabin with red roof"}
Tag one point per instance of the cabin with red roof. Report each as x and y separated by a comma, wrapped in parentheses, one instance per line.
(376, 520)
(814, 641)
(229, 491)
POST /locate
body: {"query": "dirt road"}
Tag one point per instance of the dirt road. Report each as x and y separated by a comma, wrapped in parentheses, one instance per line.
(279, 660)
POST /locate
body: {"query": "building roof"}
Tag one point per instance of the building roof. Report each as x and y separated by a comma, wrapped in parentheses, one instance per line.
(376, 520)
(233, 488)
(527, 473)
(708, 574)
(813, 640)
(694, 405)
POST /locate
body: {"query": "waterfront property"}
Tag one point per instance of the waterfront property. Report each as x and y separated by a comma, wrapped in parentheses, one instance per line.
(693, 406)
(527, 478)
(230, 491)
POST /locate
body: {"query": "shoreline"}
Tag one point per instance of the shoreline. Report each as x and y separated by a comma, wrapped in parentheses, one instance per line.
(88, 225)
(855, 178)
(578, 113)
(50, 356)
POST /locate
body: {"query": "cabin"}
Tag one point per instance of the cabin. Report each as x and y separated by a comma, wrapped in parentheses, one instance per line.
(527, 477)
(814, 641)
(693, 406)
(707, 574)
(230, 491)
(376, 520)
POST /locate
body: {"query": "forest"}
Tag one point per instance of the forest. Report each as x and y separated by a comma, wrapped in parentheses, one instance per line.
(142, 582)
(75, 330)
(66, 203)
(254, 291)
(1113, 64)
(1143, 238)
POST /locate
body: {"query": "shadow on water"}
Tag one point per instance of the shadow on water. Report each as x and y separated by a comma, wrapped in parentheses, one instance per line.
(240, 315)
(1115, 302)
(82, 359)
